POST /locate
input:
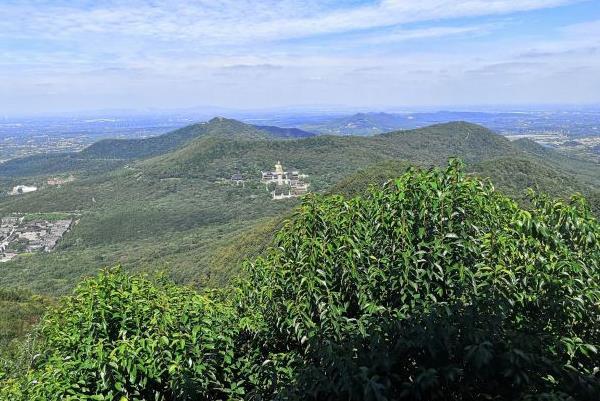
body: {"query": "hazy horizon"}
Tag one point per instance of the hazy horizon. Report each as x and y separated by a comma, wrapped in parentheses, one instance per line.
(207, 112)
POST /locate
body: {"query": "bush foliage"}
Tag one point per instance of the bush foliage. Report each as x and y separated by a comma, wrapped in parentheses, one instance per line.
(432, 287)
(121, 337)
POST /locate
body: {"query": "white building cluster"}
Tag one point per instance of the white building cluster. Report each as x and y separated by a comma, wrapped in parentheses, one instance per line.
(284, 184)
(22, 189)
(19, 236)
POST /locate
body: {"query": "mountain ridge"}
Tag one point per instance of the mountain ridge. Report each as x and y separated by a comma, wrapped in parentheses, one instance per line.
(179, 211)
(108, 154)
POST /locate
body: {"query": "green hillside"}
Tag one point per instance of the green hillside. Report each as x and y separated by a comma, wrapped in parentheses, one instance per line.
(329, 158)
(586, 171)
(285, 132)
(207, 158)
(56, 163)
(148, 147)
(512, 176)
(20, 311)
(17, 305)
(178, 212)
(108, 154)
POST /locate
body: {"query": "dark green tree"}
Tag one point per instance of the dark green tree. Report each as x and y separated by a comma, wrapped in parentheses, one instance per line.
(434, 287)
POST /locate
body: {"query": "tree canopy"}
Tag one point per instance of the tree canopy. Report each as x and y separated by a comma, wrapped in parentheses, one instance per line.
(434, 286)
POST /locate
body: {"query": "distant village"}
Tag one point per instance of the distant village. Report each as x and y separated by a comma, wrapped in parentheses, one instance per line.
(19, 235)
(280, 183)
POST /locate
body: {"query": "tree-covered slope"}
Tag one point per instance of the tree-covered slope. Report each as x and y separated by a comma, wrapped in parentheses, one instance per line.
(363, 124)
(142, 148)
(21, 306)
(329, 158)
(432, 287)
(57, 163)
(435, 287)
(285, 132)
(585, 170)
(107, 154)
(171, 212)
(223, 151)
(517, 174)
(512, 176)
(20, 311)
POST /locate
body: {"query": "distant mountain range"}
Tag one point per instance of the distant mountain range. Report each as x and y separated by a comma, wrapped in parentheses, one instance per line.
(362, 124)
(365, 124)
(165, 203)
(574, 124)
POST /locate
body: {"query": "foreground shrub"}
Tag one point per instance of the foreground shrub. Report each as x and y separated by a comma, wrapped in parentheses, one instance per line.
(129, 338)
(435, 287)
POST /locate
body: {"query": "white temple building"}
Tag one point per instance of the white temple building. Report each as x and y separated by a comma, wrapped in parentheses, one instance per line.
(288, 184)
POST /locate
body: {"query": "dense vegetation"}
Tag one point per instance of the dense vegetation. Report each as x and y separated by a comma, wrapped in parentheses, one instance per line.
(158, 145)
(171, 213)
(109, 154)
(434, 286)
(57, 163)
(285, 132)
(20, 310)
(363, 124)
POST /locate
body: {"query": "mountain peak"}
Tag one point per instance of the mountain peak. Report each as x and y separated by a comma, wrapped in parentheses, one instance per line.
(461, 125)
(222, 126)
(219, 119)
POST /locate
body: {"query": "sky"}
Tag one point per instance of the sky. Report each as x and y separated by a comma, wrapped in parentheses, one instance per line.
(72, 55)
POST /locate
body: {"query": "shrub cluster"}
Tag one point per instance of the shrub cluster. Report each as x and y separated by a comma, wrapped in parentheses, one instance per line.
(128, 338)
(432, 287)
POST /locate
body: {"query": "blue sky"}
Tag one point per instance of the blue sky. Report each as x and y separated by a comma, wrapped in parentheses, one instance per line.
(59, 55)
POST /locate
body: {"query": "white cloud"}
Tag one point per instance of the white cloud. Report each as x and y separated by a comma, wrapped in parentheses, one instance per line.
(267, 52)
(241, 21)
(578, 43)
(401, 35)
(590, 29)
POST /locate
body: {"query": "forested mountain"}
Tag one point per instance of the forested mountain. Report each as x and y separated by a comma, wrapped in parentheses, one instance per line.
(585, 170)
(31, 167)
(108, 154)
(289, 200)
(363, 124)
(285, 132)
(218, 127)
(177, 212)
